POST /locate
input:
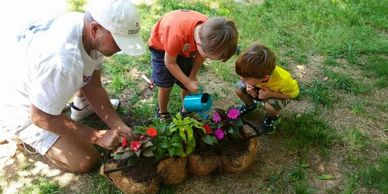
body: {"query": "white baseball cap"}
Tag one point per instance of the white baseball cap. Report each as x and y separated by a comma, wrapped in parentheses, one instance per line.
(122, 19)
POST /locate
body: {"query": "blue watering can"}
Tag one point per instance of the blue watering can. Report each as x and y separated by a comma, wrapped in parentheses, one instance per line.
(198, 102)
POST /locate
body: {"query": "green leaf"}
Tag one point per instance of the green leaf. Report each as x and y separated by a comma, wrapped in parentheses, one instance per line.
(183, 134)
(326, 177)
(207, 139)
(138, 153)
(230, 130)
(124, 155)
(164, 145)
(148, 153)
(131, 161)
(148, 144)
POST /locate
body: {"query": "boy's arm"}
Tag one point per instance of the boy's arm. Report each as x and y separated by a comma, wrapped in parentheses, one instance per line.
(174, 69)
(198, 61)
(265, 93)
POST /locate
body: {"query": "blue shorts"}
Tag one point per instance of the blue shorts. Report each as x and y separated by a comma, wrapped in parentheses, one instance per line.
(160, 74)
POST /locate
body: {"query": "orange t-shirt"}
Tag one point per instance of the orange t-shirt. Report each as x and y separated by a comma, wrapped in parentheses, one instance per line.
(174, 32)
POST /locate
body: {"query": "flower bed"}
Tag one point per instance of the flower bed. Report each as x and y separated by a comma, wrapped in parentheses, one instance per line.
(170, 151)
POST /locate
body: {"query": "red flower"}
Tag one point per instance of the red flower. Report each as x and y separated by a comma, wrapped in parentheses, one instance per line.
(124, 142)
(152, 132)
(208, 130)
(135, 145)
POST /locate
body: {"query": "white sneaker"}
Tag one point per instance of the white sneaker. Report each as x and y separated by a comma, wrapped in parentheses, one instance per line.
(78, 114)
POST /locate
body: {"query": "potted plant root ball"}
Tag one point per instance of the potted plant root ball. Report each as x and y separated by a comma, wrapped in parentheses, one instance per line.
(132, 167)
(237, 154)
(205, 160)
(237, 157)
(137, 179)
(172, 170)
(203, 163)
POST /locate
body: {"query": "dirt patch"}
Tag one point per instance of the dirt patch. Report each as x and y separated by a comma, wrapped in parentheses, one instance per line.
(307, 73)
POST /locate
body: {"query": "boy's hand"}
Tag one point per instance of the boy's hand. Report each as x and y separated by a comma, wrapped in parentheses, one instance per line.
(265, 93)
(251, 90)
(192, 86)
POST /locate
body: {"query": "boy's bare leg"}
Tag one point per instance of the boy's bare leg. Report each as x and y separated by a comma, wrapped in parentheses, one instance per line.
(163, 98)
(270, 110)
(245, 97)
(74, 156)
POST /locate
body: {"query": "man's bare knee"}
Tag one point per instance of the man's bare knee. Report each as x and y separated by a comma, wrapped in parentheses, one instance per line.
(74, 156)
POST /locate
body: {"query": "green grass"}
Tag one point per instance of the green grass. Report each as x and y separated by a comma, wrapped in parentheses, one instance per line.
(306, 131)
(321, 93)
(102, 185)
(43, 186)
(356, 142)
(376, 176)
(376, 66)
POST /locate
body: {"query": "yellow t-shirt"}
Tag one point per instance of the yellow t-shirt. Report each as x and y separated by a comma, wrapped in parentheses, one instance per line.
(281, 81)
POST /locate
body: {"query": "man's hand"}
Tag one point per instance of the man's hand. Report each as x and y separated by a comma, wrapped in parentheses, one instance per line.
(108, 139)
(265, 93)
(251, 90)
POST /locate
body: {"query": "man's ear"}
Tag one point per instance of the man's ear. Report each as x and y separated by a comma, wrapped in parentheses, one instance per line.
(266, 77)
(94, 26)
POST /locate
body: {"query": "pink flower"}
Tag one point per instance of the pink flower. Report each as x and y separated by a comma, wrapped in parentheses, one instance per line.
(233, 113)
(135, 145)
(216, 117)
(219, 133)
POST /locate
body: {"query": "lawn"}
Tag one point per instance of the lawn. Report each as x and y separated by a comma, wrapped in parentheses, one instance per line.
(332, 139)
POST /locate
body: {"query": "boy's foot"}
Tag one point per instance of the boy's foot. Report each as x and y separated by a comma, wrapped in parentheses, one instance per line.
(245, 109)
(268, 126)
(165, 116)
(79, 113)
(184, 114)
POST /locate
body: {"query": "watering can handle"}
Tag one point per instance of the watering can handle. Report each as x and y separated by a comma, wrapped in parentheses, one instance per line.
(199, 90)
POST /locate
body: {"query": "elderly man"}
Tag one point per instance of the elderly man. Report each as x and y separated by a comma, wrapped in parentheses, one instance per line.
(58, 57)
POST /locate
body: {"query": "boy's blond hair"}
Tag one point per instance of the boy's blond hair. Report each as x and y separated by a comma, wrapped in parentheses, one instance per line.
(256, 62)
(219, 36)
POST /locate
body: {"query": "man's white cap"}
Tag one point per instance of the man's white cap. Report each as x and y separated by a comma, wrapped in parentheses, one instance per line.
(122, 19)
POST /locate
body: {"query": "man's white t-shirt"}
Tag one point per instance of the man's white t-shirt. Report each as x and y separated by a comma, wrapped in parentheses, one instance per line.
(50, 65)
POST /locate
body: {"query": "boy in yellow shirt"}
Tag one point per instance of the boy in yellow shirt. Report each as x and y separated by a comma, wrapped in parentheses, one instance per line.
(262, 80)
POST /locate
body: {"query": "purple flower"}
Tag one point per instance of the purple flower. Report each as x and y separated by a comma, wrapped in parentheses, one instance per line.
(216, 117)
(233, 113)
(219, 133)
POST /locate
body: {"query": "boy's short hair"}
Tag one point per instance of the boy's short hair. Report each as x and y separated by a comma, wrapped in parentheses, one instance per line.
(219, 36)
(256, 62)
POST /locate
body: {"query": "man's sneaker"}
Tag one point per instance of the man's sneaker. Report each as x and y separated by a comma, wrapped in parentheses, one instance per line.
(268, 127)
(78, 114)
(244, 109)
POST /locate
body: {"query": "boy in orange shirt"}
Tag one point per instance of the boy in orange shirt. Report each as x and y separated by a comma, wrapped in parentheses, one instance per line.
(180, 42)
(262, 80)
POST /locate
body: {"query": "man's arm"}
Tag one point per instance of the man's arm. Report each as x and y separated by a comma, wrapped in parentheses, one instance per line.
(63, 126)
(98, 98)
